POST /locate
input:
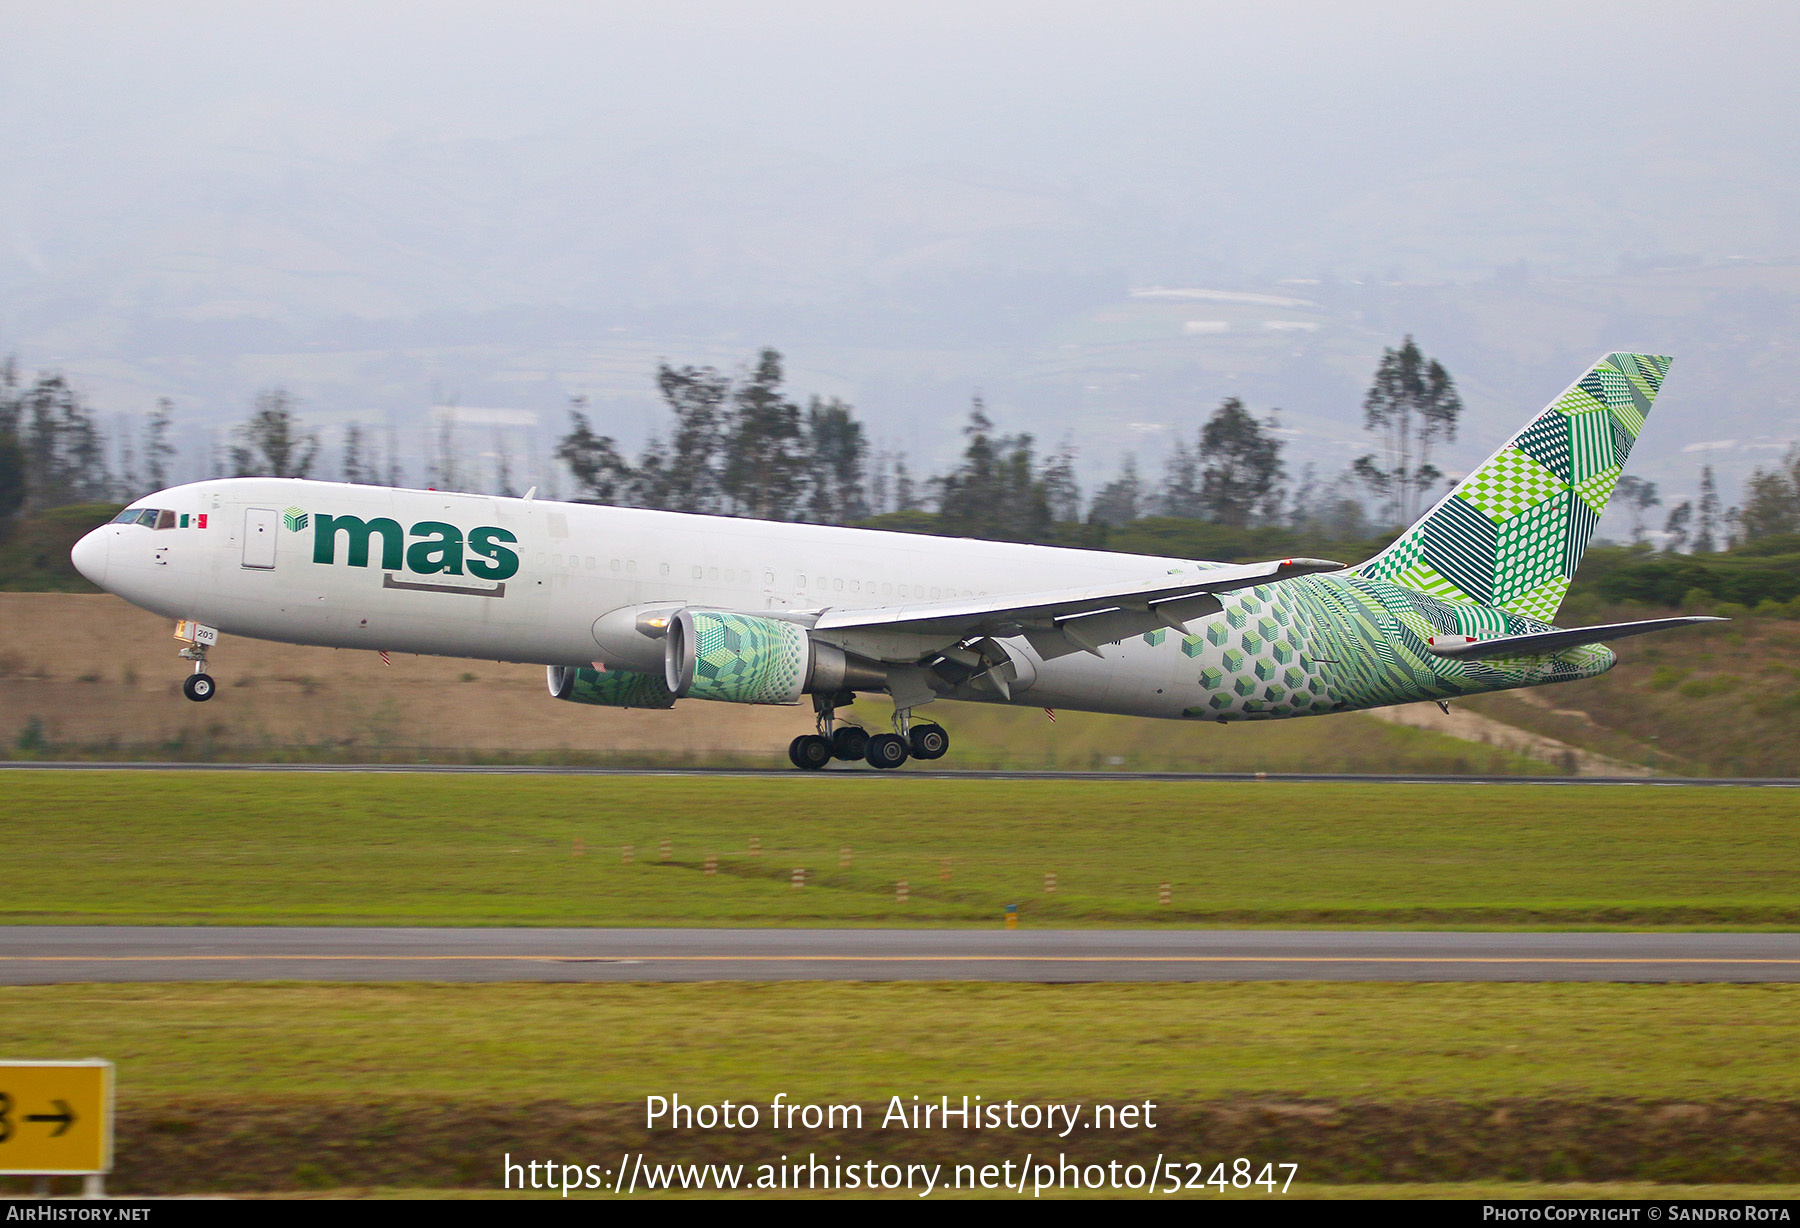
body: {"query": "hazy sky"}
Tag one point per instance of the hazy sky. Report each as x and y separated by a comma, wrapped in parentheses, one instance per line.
(290, 166)
(1263, 103)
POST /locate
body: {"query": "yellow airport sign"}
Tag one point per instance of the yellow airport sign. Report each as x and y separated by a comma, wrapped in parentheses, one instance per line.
(56, 1117)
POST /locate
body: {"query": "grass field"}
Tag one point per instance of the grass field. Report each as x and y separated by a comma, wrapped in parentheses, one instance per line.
(483, 850)
(283, 1086)
(819, 1042)
(425, 1087)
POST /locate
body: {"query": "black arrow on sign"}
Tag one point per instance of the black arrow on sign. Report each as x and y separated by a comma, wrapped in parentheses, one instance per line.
(63, 1119)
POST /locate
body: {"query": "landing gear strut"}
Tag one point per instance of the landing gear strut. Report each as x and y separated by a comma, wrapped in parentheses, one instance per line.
(812, 751)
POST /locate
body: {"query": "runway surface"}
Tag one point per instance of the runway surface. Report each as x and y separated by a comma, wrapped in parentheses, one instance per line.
(910, 772)
(31, 955)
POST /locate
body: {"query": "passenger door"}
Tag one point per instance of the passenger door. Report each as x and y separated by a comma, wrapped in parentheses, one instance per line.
(260, 524)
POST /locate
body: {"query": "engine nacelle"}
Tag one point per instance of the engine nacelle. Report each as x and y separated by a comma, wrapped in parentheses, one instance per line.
(751, 659)
(612, 688)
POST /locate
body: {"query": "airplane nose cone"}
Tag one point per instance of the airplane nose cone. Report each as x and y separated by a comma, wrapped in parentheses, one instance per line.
(89, 556)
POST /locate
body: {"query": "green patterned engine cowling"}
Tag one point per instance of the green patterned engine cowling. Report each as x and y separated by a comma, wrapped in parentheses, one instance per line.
(613, 688)
(737, 658)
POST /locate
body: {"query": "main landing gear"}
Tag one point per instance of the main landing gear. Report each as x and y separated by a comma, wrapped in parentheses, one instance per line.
(812, 751)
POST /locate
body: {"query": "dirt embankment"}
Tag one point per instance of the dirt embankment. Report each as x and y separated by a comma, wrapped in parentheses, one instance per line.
(93, 670)
(198, 1145)
(1474, 727)
(89, 676)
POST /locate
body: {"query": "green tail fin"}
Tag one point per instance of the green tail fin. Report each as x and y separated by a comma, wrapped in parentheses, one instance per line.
(1512, 533)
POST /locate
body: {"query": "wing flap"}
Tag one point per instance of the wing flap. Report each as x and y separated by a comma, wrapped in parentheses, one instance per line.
(1073, 620)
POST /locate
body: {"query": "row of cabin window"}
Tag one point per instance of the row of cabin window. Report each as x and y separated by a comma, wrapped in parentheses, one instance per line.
(574, 561)
(837, 584)
(734, 575)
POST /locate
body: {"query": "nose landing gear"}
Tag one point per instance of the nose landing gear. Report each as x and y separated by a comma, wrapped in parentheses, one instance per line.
(199, 685)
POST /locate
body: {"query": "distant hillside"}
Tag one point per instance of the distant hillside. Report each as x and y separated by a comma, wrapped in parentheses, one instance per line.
(1702, 701)
(1763, 576)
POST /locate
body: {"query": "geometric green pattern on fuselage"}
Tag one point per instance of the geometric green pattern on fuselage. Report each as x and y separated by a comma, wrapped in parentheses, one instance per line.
(1341, 642)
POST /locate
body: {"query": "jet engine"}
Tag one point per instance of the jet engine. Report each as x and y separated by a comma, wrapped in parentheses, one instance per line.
(752, 659)
(612, 688)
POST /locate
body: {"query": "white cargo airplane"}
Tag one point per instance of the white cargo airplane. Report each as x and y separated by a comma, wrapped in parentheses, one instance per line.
(639, 609)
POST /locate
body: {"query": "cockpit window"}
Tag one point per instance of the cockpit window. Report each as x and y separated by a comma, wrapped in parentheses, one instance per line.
(149, 517)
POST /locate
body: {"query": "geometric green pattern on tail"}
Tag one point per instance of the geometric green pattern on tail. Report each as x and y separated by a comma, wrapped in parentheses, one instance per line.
(1516, 527)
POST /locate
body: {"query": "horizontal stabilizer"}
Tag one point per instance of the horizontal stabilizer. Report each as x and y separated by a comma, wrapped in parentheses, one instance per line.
(1466, 648)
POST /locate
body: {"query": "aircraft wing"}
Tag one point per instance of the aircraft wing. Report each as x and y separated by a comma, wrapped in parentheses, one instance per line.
(1463, 648)
(1056, 622)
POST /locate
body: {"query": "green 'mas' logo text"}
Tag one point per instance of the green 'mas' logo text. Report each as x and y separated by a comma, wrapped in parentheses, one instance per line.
(441, 549)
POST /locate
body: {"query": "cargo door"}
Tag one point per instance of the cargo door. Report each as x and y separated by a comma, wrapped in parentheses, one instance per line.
(259, 537)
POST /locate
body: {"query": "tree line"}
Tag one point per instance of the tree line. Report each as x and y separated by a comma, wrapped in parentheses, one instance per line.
(739, 444)
(53, 450)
